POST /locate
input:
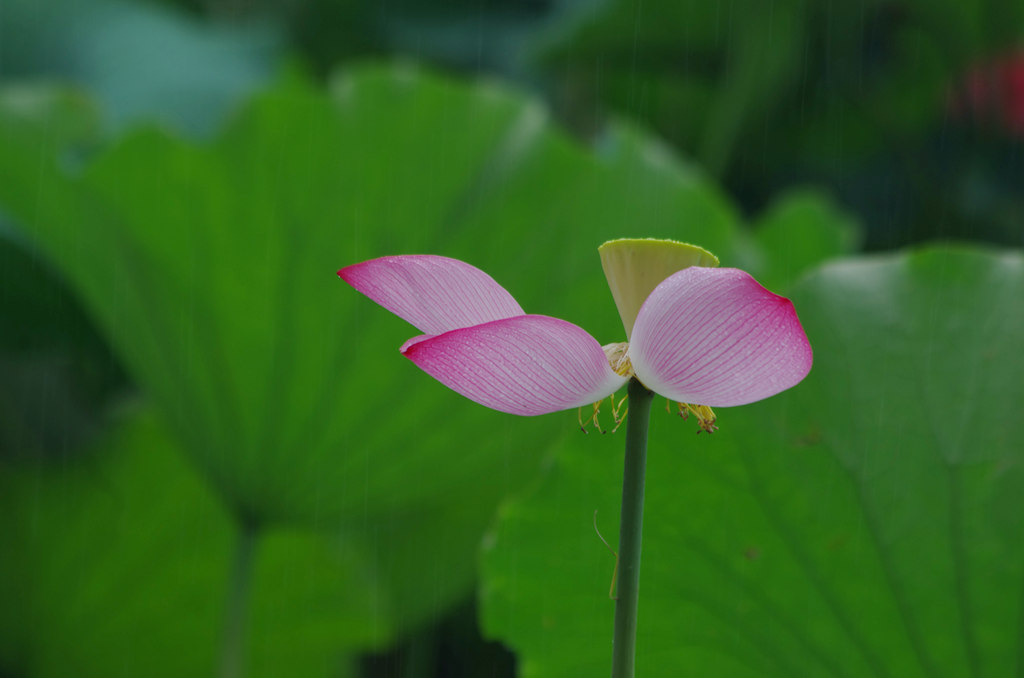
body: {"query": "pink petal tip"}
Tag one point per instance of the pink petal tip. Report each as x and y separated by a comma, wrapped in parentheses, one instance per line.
(434, 294)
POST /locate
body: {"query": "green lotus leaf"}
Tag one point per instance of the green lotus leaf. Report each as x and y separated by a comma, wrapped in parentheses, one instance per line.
(116, 563)
(866, 522)
(799, 230)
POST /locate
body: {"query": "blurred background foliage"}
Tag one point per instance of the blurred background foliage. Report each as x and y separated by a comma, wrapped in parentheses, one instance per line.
(212, 463)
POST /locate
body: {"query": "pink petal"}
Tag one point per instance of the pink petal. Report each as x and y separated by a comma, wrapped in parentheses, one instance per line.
(527, 365)
(714, 336)
(435, 294)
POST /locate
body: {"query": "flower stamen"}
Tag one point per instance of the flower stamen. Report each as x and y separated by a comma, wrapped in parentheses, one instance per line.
(619, 412)
(592, 419)
(705, 416)
(618, 358)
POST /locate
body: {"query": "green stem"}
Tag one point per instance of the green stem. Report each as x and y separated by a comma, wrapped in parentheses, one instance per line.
(630, 529)
(232, 663)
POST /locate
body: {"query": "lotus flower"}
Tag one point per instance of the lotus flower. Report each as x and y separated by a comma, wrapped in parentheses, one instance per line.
(712, 336)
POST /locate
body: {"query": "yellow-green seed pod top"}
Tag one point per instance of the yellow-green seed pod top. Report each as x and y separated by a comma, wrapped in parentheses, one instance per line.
(635, 266)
